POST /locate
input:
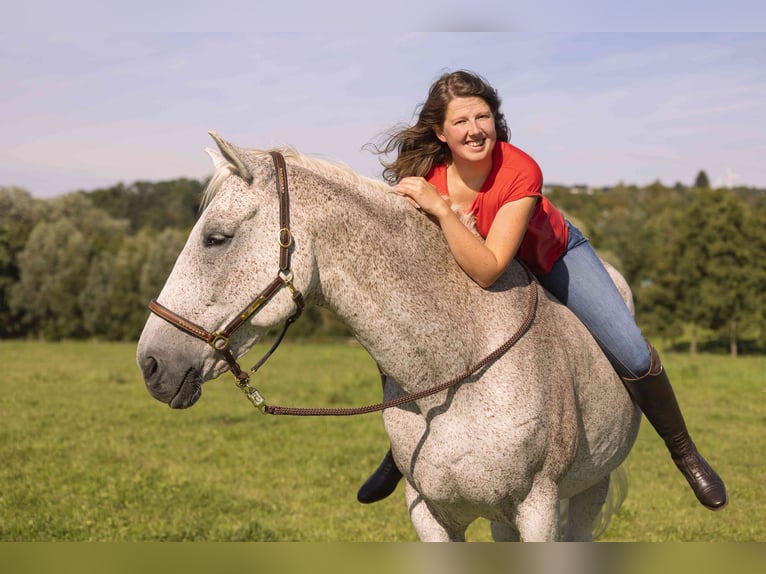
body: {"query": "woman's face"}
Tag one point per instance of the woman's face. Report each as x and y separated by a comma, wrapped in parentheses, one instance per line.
(468, 129)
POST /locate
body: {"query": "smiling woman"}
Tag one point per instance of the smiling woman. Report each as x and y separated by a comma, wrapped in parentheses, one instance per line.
(458, 150)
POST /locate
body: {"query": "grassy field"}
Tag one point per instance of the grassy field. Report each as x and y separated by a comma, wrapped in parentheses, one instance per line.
(87, 455)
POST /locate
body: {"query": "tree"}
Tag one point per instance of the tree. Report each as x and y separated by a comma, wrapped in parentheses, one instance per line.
(19, 213)
(730, 301)
(120, 284)
(664, 290)
(129, 308)
(52, 273)
(162, 254)
(757, 277)
(54, 266)
(159, 205)
(95, 299)
(111, 300)
(702, 181)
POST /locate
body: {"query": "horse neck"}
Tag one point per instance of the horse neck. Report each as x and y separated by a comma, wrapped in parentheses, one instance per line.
(372, 244)
(385, 269)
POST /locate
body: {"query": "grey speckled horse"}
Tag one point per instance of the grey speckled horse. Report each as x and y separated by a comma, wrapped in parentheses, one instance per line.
(547, 421)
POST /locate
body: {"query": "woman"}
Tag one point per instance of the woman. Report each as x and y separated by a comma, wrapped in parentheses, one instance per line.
(457, 157)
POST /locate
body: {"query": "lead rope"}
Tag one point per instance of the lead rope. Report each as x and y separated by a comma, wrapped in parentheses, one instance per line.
(220, 340)
(531, 310)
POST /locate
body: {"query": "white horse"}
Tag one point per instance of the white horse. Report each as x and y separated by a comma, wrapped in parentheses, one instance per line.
(546, 421)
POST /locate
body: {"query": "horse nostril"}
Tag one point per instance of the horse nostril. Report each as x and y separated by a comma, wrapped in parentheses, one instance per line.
(149, 366)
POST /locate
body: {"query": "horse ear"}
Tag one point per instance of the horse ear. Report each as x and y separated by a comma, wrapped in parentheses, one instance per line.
(218, 160)
(233, 156)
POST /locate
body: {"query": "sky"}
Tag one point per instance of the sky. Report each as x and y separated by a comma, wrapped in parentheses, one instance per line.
(597, 99)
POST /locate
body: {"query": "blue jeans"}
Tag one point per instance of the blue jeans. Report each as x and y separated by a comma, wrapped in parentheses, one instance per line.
(579, 280)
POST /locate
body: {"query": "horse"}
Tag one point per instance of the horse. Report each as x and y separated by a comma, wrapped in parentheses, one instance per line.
(544, 422)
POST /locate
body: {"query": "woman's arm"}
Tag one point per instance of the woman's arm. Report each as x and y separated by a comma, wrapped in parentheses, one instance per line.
(482, 261)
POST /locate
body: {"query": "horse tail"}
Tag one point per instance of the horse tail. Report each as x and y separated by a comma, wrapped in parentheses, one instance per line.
(615, 496)
(618, 492)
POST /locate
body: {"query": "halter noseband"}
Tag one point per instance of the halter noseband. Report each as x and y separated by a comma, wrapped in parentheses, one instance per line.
(220, 340)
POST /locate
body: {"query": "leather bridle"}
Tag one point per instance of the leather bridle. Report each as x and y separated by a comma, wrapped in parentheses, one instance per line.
(221, 340)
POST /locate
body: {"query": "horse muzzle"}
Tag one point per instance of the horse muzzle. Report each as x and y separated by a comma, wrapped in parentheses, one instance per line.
(173, 381)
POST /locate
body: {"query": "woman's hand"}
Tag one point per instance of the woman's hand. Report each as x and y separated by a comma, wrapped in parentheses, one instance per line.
(423, 195)
(483, 261)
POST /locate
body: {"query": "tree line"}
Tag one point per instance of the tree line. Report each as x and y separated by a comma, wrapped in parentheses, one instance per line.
(85, 264)
(694, 258)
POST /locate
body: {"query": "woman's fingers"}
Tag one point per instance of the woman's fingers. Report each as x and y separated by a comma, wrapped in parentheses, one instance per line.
(419, 193)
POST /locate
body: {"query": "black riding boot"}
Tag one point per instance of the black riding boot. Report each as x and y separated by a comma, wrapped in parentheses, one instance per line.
(382, 482)
(654, 395)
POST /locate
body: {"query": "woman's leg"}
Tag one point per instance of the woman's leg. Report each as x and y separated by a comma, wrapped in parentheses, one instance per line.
(580, 281)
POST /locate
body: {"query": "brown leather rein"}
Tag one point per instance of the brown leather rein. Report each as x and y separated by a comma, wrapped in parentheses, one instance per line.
(220, 340)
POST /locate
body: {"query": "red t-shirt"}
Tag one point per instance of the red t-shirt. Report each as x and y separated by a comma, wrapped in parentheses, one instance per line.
(516, 175)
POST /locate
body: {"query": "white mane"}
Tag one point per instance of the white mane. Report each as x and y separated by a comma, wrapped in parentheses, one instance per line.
(333, 170)
(329, 169)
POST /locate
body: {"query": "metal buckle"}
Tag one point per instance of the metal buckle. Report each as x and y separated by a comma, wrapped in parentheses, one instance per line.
(289, 241)
(253, 395)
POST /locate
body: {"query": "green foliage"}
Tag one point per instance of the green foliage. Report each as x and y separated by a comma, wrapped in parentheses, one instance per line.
(52, 274)
(702, 181)
(18, 214)
(704, 265)
(693, 257)
(86, 264)
(112, 301)
(87, 455)
(167, 204)
(54, 266)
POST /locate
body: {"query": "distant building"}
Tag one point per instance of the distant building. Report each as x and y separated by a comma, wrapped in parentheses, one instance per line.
(574, 189)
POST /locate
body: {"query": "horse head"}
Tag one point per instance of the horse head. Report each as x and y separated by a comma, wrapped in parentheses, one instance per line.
(236, 251)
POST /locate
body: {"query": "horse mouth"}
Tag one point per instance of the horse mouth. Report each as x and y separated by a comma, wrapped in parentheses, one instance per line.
(189, 391)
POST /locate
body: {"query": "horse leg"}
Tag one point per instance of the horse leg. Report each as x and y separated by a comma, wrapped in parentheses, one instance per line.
(427, 526)
(537, 516)
(583, 510)
(502, 532)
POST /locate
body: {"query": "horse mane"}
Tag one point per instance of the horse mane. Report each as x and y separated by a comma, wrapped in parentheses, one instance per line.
(327, 168)
(323, 167)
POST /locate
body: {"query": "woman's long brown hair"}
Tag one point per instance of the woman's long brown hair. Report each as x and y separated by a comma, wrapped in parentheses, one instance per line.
(417, 148)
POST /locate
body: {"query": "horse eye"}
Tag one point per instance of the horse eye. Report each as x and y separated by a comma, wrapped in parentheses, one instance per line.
(216, 239)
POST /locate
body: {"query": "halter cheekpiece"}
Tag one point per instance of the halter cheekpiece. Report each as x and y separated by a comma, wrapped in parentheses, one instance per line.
(221, 340)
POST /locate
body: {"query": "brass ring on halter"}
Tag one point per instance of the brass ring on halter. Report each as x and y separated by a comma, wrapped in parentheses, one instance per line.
(220, 342)
(286, 277)
(285, 243)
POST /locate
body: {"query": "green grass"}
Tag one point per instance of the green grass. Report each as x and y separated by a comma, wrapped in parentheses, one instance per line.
(87, 455)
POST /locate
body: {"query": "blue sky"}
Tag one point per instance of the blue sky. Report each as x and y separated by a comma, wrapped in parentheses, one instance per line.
(81, 111)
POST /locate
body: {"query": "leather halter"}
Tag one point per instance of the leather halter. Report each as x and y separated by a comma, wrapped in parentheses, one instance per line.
(220, 340)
